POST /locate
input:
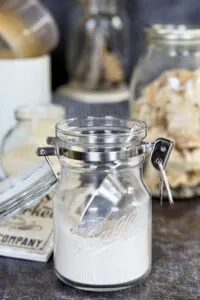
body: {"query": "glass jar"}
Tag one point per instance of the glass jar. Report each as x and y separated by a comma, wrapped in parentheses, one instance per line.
(88, 235)
(98, 46)
(102, 208)
(34, 124)
(165, 94)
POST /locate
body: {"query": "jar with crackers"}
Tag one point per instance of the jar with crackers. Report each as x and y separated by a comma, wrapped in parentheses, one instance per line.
(165, 93)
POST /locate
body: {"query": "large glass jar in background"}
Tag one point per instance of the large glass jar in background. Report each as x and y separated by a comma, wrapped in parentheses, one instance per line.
(165, 93)
(34, 124)
(98, 46)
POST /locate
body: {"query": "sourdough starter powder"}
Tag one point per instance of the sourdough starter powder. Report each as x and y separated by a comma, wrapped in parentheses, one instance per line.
(119, 255)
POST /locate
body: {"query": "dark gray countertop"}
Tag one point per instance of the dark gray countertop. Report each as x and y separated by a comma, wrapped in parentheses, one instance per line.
(176, 251)
(175, 274)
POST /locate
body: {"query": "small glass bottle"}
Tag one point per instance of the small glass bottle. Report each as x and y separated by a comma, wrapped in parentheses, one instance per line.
(98, 47)
(34, 124)
(165, 94)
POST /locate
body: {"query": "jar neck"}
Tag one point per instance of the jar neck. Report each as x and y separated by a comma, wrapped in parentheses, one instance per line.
(81, 166)
(173, 47)
(40, 124)
(39, 112)
(99, 137)
(173, 36)
(36, 127)
(108, 7)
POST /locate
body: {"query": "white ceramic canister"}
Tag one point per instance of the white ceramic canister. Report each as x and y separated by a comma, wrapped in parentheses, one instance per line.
(22, 82)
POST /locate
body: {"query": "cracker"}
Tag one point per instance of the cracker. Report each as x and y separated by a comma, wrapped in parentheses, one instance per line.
(187, 142)
(171, 107)
(192, 159)
(151, 178)
(151, 91)
(144, 111)
(182, 117)
(193, 179)
(177, 179)
(184, 75)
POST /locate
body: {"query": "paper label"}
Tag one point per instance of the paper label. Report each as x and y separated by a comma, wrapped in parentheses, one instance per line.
(29, 235)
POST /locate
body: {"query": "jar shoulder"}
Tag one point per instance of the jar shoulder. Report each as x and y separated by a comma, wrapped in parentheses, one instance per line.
(156, 63)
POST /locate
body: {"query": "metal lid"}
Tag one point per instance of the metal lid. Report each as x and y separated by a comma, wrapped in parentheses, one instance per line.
(25, 189)
(174, 33)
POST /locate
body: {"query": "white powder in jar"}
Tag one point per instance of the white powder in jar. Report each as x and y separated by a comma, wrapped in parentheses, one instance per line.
(120, 255)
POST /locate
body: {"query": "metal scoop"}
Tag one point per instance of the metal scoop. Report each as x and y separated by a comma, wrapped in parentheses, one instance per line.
(111, 192)
(108, 195)
(99, 207)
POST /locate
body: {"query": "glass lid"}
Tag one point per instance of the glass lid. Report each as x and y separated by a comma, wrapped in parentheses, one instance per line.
(20, 191)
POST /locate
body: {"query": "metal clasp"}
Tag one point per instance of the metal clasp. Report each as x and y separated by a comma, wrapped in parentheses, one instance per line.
(46, 152)
(160, 152)
(159, 158)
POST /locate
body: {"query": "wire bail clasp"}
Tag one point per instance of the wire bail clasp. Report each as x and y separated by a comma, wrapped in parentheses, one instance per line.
(159, 157)
(46, 152)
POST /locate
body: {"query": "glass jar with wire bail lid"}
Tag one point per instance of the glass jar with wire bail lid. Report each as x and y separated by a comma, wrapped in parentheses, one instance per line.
(165, 91)
(102, 208)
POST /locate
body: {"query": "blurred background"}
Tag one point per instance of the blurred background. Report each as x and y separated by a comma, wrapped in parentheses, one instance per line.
(69, 58)
(141, 13)
(62, 59)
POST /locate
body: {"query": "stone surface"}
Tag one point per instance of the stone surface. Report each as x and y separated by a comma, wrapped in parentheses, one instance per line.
(175, 274)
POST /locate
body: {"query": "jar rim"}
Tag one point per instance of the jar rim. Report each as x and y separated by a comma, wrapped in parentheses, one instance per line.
(102, 6)
(40, 112)
(173, 33)
(90, 131)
